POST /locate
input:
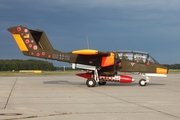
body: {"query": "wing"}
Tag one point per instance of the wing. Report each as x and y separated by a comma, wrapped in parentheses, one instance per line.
(107, 58)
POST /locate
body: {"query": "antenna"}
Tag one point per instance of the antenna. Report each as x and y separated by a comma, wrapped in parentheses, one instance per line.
(116, 52)
(87, 42)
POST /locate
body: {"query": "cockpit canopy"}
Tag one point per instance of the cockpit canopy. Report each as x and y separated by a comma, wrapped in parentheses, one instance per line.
(136, 56)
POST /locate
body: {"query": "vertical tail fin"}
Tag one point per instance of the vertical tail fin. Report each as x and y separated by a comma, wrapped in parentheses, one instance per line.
(41, 40)
(33, 42)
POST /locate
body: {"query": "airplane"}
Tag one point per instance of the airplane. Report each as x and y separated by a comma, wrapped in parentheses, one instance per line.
(101, 67)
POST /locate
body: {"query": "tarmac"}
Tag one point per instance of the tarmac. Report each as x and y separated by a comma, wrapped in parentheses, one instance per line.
(66, 97)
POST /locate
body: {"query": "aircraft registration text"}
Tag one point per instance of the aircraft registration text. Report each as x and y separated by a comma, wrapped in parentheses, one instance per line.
(62, 57)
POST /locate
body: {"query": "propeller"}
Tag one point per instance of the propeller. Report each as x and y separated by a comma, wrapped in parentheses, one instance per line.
(117, 61)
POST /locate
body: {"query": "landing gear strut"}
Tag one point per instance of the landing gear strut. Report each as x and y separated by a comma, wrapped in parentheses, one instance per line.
(91, 82)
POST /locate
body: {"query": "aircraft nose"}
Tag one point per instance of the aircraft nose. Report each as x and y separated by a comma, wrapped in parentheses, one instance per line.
(161, 70)
(167, 70)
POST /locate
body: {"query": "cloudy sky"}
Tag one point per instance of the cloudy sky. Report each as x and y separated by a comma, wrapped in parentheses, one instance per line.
(143, 25)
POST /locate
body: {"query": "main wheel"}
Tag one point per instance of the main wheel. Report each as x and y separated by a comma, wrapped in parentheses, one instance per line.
(91, 82)
(102, 83)
(142, 82)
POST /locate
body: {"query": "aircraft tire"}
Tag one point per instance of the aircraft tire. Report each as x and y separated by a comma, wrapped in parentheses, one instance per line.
(91, 82)
(102, 83)
(142, 82)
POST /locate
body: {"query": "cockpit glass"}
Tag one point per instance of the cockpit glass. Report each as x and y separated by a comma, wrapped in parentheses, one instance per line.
(129, 56)
(138, 57)
(126, 56)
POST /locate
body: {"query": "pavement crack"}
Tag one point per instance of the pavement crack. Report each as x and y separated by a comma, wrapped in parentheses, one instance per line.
(134, 103)
(10, 93)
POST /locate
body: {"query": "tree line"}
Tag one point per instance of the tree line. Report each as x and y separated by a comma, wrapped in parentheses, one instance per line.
(172, 66)
(31, 64)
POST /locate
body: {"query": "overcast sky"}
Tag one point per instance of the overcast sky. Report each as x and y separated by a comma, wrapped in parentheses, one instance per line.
(143, 25)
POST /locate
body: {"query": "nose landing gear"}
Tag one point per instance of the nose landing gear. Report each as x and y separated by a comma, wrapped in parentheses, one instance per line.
(143, 82)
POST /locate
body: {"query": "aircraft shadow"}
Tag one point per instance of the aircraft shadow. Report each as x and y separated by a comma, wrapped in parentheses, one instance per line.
(155, 84)
(132, 84)
(56, 82)
(65, 82)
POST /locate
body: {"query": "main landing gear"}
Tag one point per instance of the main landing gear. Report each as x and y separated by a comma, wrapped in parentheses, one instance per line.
(91, 82)
(102, 83)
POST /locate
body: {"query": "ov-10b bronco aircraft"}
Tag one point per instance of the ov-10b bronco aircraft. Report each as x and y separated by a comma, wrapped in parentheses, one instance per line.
(101, 66)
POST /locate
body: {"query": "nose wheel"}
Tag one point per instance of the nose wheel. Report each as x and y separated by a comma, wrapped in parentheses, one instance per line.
(142, 82)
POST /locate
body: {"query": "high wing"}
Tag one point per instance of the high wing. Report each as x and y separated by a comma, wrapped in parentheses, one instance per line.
(104, 65)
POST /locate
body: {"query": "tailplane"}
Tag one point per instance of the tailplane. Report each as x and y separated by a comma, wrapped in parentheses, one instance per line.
(33, 42)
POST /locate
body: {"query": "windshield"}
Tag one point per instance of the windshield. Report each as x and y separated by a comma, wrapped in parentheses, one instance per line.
(151, 60)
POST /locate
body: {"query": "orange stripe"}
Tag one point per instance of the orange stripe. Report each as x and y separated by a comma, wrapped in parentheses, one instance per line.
(108, 61)
(20, 42)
